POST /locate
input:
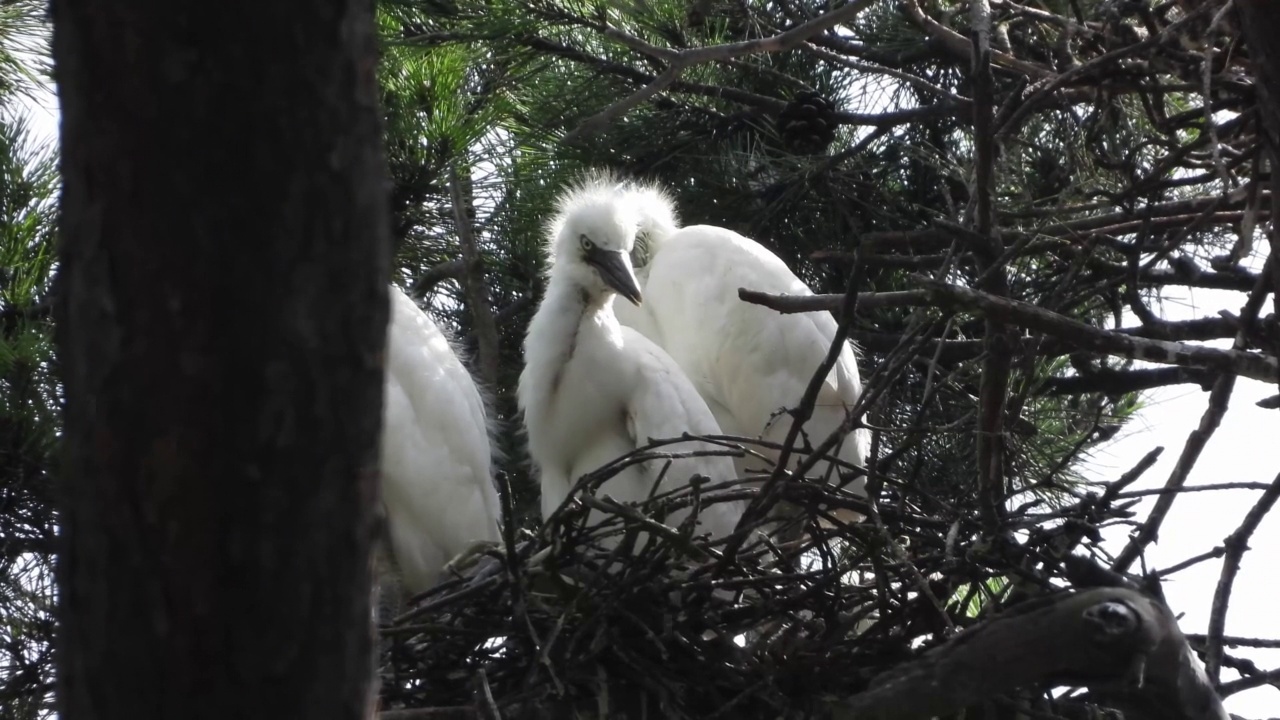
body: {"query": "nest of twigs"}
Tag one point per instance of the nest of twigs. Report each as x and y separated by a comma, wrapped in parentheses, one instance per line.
(634, 617)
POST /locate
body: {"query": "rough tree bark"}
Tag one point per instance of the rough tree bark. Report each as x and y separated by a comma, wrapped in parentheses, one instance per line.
(1261, 24)
(221, 319)
(1123, 644)
(473, 283)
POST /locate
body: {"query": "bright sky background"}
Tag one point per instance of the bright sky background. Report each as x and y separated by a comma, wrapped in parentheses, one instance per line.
(1239, 451)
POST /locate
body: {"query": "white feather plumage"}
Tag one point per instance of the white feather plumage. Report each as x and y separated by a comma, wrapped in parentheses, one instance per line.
(746, 361)
(437, 487)
(593, 390)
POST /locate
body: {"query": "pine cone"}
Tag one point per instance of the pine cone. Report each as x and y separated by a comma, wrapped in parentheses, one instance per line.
(807, 125)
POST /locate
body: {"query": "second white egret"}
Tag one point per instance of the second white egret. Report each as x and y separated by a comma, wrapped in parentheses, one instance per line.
(748, 362)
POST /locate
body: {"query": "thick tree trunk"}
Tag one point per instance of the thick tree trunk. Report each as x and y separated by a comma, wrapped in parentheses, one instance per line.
(221, 319)
(1261, 23)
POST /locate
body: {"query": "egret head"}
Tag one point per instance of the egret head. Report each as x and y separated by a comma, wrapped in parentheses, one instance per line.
(592, 237)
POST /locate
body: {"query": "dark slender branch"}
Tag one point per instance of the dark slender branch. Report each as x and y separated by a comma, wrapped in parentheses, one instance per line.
(1189, 562)
(448, 270)
(460, 712)
(1234, 641)
(473, 282)
(1120, 382)
(1192, 488)
(1042, 90)
(1209, 421)
(960, 46)
(1236, 544)
(1172, 214)
(1067, 330)
(1270, 677)
(997, 364)
(1133, 475)
(680, 60)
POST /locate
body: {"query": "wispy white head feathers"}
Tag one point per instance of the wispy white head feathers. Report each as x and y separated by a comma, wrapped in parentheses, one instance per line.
(619, 213)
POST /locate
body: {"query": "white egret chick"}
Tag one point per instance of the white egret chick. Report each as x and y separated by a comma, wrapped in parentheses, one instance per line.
(592, 390)
(748, 362)
(437, 486)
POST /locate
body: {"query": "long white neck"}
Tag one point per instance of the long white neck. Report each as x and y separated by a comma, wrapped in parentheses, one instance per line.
(566, 317)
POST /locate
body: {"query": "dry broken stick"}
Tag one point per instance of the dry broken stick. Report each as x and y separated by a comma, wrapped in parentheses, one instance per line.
(1120, 643)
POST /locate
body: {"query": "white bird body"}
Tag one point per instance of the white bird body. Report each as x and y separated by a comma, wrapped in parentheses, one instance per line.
(748, 362)
(437, 487)
(592, 390)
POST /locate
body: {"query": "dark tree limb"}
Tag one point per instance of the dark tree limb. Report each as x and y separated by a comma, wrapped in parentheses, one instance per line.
(744, 98)
(1119, 642)
(1219, 397)
(1236, 546)
(1074, 332)
(221, 321)
(1120, 382)
(961, 47)
(677, 61)
(997, 365)
(1172, 214)
(1261, 26)
(436, 274)
(474, 286)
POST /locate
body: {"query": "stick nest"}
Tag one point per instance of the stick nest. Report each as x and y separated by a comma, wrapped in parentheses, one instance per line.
(634, 617)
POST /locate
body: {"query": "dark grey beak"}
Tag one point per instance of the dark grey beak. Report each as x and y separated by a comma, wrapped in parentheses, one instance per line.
(615, 270)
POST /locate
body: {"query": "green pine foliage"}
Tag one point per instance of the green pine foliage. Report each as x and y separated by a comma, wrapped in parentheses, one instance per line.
(29, 420)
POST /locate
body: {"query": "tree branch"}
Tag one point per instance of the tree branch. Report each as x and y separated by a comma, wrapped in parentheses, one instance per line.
(436, 274)
(1178, 213)
(473, 283)
(680, 60)
(997, 365)
(1116, 382)
(1114, 640)
(1109, 342)
(1042, 90)
(1236, 544)
(960, 46)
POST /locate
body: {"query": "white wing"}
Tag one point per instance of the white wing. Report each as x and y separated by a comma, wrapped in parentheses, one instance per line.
(665, 404)
(436, 458)
(746, 358)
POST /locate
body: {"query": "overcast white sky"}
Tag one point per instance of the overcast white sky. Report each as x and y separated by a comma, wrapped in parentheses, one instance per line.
(1241, 450)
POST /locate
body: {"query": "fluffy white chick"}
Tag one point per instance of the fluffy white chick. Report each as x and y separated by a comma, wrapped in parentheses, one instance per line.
(593, 390)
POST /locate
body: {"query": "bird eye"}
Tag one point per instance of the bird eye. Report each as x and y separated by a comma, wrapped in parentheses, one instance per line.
(586, 242)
